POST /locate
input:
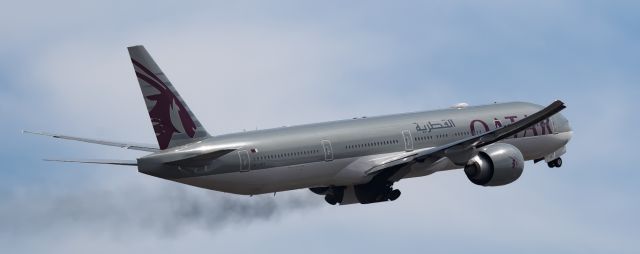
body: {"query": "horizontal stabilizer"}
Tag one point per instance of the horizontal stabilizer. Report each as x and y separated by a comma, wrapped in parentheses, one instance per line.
(107, 162)
(139, 147)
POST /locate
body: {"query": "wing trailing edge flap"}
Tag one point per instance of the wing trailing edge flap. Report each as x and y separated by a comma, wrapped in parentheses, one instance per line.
(404, 158)
(459, 152)
(388, 162)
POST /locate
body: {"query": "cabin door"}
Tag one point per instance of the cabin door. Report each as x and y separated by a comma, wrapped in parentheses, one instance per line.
(408, 141)
(245, 164)
(328, 152)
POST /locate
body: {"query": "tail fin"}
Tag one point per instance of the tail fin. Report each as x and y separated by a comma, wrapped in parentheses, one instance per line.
(173, 122)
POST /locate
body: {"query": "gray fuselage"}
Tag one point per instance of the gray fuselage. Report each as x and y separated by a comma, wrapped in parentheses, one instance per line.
(324, 154)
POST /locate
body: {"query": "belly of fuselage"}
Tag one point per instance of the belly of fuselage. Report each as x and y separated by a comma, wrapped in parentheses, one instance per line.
(272, 179)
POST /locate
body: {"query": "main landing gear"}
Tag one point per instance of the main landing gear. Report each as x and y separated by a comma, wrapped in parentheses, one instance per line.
(387, 195)
(394, 194)
(364, 194)
(555, 163)
(332, 199)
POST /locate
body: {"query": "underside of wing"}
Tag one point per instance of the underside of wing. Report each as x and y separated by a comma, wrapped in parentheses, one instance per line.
(391, 161)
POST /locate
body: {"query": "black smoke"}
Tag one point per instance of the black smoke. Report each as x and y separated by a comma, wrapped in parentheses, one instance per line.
(167, 210)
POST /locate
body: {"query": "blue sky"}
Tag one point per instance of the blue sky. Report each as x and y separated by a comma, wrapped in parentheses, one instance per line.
(255, 64)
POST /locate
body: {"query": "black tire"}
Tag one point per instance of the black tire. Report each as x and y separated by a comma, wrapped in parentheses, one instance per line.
(331, 199)
(558, 162)
(394, 194)
(551, 164)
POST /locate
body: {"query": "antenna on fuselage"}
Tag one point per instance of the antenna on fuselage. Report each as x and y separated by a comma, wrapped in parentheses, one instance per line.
(460, 105)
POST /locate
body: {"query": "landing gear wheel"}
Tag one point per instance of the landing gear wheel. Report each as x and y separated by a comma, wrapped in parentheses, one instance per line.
(394, 194)
(555, 163)
(558, 162)
(331, 199)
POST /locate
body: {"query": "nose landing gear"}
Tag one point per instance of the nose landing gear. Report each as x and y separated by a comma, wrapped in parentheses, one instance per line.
(555, 163)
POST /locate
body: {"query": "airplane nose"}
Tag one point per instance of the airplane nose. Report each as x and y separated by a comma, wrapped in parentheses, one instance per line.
(562, 130)
(562, 124)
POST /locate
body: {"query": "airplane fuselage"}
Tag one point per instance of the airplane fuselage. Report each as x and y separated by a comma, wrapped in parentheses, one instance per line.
(332, 153)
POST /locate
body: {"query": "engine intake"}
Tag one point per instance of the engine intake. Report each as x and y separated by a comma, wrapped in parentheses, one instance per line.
(494, 165)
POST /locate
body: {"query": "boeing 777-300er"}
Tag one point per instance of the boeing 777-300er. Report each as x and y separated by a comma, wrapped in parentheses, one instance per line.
(349, 161)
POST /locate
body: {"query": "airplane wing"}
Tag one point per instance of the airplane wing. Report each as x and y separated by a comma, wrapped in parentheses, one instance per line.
(139, 147)
(108, 162)
(459, 152)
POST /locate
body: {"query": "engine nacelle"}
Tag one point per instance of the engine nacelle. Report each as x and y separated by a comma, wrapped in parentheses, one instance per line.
(494, 165)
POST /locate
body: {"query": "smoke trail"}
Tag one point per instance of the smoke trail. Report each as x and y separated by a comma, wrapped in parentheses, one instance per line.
(166, 211)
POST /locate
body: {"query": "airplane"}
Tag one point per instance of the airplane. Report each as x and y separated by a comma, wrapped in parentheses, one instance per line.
(348, 161)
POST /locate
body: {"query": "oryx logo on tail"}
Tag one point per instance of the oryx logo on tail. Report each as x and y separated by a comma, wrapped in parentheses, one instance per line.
(169, 114)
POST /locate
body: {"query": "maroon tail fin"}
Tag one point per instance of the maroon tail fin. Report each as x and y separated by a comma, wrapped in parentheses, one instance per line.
(173, 122)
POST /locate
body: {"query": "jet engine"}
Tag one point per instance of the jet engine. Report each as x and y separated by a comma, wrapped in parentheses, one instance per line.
(494, 165)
